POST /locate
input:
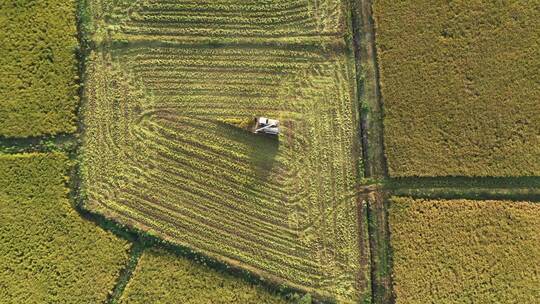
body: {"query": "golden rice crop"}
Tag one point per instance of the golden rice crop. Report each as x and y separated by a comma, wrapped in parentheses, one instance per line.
(38, 88)
(49, 254)
(463, 251)
(166, 278)
(460, 82)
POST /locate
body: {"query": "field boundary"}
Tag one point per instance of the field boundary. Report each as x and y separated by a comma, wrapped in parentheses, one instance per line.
(372, 140)
(380, 251)
(499, 188)
(136, 251)
(525, 194)
(368, 87)
(464, 182)
(47, 143)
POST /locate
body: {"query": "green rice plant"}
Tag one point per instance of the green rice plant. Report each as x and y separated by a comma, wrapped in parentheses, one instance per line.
(49, 254)
(164, 277)
(38, 72)
(464, 251)
(460, 86)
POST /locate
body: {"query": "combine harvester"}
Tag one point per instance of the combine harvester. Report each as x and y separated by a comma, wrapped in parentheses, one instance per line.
(266, 126)
(258, 125)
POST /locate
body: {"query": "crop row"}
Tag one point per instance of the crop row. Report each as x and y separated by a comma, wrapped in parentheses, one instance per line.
(184, 18)
(463, 251)
(158, 157)
(460, 85)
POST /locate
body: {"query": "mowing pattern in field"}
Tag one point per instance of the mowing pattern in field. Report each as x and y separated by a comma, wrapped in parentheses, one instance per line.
(462, 251)
(49, 254)
(163, 277)
(38, 92)
(158, 157)
(460, 83)
(227, 20)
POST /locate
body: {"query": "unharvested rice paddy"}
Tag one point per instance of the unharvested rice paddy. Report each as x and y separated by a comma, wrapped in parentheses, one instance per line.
(158, 155)
(460, 82)
(163, 277)
(463, 251)
(49, 254)
(38, 89)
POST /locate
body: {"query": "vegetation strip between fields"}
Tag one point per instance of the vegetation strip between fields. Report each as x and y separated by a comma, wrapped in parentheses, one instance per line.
(64, 143)
(125, 275)
(367, 77)
(504, 188)
(527, 194)
(371, 129)
(381, 257)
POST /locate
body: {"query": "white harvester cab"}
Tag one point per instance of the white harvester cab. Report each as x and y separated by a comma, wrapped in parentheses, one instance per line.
(266, 126)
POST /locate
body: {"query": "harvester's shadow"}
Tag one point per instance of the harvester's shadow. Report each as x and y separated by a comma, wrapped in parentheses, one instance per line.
(262, 149)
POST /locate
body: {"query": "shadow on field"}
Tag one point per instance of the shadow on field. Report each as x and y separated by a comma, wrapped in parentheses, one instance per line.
(262, 149)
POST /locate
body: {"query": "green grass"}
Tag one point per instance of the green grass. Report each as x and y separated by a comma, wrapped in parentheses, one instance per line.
(38, 72)
(49, 253)
(460, 87)
(163, 277)
(465, 251)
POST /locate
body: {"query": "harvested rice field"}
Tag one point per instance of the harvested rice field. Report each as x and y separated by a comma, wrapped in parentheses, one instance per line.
(160, 152)
(221, 21)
